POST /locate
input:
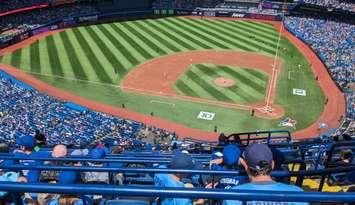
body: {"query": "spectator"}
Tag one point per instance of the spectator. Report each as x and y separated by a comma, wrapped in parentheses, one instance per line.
(179, 161)
(258, 163)
(227, 161)
(96, 177)
(27, 144)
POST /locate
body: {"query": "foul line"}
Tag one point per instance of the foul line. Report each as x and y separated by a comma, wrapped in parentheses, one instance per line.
(274, 69)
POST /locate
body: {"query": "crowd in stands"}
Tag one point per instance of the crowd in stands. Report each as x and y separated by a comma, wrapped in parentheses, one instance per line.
(24, 111)
(333, 41)
(346, 5)
(8, 5)
(257, 159)
(185, 4)
(39, 17)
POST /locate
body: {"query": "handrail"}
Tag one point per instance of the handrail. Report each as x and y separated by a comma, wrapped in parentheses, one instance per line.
(176, 171)
(151, 191)
(106, 160)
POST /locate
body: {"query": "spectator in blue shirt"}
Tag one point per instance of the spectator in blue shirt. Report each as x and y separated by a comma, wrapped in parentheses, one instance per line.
(27, 143)
(258, 162)
(179, 161)
(227, 161)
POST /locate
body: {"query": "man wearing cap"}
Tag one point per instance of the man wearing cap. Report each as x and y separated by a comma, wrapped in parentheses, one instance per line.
(227, 161)
(27, 144)
(178, 161)
(258, 162)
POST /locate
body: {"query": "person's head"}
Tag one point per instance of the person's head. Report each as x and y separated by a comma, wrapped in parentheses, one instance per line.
(4, 148)
(257, 160)
(40, 138)
(182, 161)
(117, 150)
(346, 155)
(59, 151)
(26, 143)
(231, 155)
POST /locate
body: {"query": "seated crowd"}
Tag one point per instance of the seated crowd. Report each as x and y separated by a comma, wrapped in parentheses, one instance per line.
(9, 5)
(185, 4)
(39, 17)
(347, 5)
(24, 110)
(333, 41)
(256, 159)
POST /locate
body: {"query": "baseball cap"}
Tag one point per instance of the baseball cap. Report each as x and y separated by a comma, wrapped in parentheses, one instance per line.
(27, 141)
(216, 155)
(98, 153)
(231, 154)
(256, 153)
(182, 161)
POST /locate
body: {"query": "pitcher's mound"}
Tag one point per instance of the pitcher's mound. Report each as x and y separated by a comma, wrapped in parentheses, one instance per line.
(224, 82)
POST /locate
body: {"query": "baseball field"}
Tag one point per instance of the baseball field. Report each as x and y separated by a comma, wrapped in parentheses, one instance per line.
(176, 67)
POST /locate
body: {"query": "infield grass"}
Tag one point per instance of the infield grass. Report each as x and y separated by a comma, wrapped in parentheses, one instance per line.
(91, 61)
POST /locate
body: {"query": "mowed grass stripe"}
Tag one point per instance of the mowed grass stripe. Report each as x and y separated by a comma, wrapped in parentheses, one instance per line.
(147, 41)
(185, 37)
(153, 34)
(115, 63)
(260, 27)
(239, 95)
(53, 55)
(214, 38)
(259, 34)
(174, 38)
(139, 41)
(185, 89)
(100, 55)
(196, 33)
(16, 58)
(35, 61)
(190, 33)
(134, 44)
(74, 61)
(137, 57)
(209, 28)
(209, 88)
(90, 54)
(245, 80)
(239, 29)
(63, 56)
(119, 46)
(238, 39)
(256, 74)
(166, 36)
(160, 48)
(244, 91)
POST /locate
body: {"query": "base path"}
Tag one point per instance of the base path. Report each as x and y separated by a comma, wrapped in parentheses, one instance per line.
(158, 76)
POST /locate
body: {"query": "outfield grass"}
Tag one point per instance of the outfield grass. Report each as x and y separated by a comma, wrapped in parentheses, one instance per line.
(89, 60)
(198, 81)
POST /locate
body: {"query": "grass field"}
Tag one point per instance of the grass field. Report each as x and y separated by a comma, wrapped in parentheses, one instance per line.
(91, 61)
(198, 81)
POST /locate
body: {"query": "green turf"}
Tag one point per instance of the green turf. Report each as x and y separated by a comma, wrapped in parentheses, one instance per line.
(90, 61)
(198, 81)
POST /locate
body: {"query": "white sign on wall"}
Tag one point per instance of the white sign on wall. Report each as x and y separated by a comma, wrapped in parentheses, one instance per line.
(299, 92)
(206, 115)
